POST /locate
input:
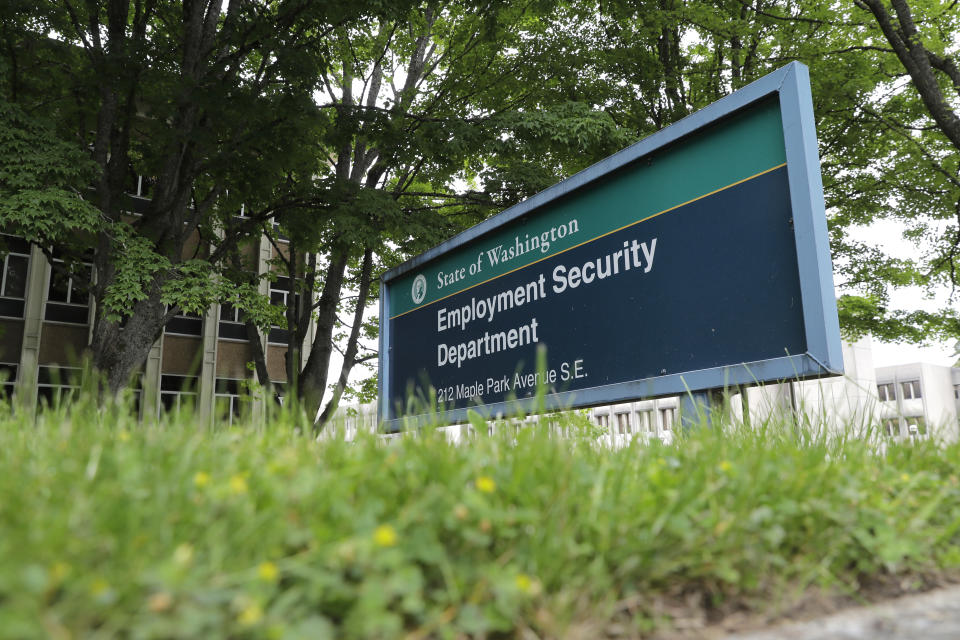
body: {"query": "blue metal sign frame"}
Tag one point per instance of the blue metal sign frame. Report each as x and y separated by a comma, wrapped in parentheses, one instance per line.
(791, 84)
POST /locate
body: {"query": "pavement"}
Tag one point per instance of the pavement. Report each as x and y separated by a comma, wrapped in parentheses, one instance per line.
(929, 616)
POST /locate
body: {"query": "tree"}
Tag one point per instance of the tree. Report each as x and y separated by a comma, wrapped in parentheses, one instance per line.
(884, 119)
(886, 132)
(924, 188)
(200, 95)
(42, 179)
(431, 120)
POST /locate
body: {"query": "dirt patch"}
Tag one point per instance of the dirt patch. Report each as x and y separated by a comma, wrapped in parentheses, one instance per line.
(702, 614)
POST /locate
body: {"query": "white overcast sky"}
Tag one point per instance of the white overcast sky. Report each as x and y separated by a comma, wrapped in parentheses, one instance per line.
(888, 235)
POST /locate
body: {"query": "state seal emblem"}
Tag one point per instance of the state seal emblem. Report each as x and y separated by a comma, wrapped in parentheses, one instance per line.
(419, 290)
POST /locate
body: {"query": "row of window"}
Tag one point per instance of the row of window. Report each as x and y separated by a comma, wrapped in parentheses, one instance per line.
(67, 291)
(13, 280)
(910, 390)
(140, 186)
(230, 395)
(644, 421)
(68, 297)
(8, 378)
(916, 426)
(56, 385)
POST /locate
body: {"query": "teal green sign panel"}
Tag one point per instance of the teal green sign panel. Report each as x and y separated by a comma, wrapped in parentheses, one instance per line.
(695, 259)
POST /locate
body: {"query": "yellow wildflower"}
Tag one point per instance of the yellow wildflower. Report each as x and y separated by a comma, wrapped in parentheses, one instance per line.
(99, 587)
(250, 614)
(201, 479)
(59, 571)
(385, 536)
(238, 484)
(485, 484)
(123, 436)
(524, 582)
(183, 554)
(527, 585)
(268, 572)
(905, 477)
(725, 466)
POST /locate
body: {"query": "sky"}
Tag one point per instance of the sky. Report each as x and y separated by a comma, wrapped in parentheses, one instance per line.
(888, 235)
(885, 355)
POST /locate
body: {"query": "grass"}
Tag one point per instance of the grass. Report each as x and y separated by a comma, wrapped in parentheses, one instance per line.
(113, 529)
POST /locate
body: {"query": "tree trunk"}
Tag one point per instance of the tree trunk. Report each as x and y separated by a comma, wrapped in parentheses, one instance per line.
(119, 351)
(353, 343)
(916, 59)
(259, 357)
(313, 377)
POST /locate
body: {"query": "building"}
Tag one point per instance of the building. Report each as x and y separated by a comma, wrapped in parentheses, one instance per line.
(46, 323)
(921, 400)
(903, 402)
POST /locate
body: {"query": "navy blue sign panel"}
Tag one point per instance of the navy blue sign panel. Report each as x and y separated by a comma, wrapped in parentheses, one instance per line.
(693, 260)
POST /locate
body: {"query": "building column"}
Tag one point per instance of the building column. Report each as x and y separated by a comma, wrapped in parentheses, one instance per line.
(26, 385)
(258, 404)
(898, 395)
(150, 384)
(208, 369)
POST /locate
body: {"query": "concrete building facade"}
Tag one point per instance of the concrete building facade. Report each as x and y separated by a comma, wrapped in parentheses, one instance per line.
(904, 402)
(46, 319)
(920, 399)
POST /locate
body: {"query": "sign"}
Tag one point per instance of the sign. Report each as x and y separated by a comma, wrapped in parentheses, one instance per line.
(695, 259)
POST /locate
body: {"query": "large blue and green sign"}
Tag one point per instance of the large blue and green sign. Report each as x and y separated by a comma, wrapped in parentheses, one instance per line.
(692, 260)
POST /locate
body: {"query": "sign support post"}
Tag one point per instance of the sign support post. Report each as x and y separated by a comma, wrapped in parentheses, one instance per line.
(697, 407)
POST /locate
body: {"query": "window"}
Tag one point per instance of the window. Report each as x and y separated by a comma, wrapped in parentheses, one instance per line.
(177, 393)
(887, 392)
(57, 385)
(916, 426)
(231, 325)
(911, 389)
(279, 231)
(279, 391)
(891, 428)
(8, 379)
(623, 424)
(13, 279)
(956, 391)
(603, 419)
(228, 399)
(667, 417)
(279, 295)
(646, 421)
(557, 430)
(280, 291)
(138, 185)
(185, 324)
(67, 294)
